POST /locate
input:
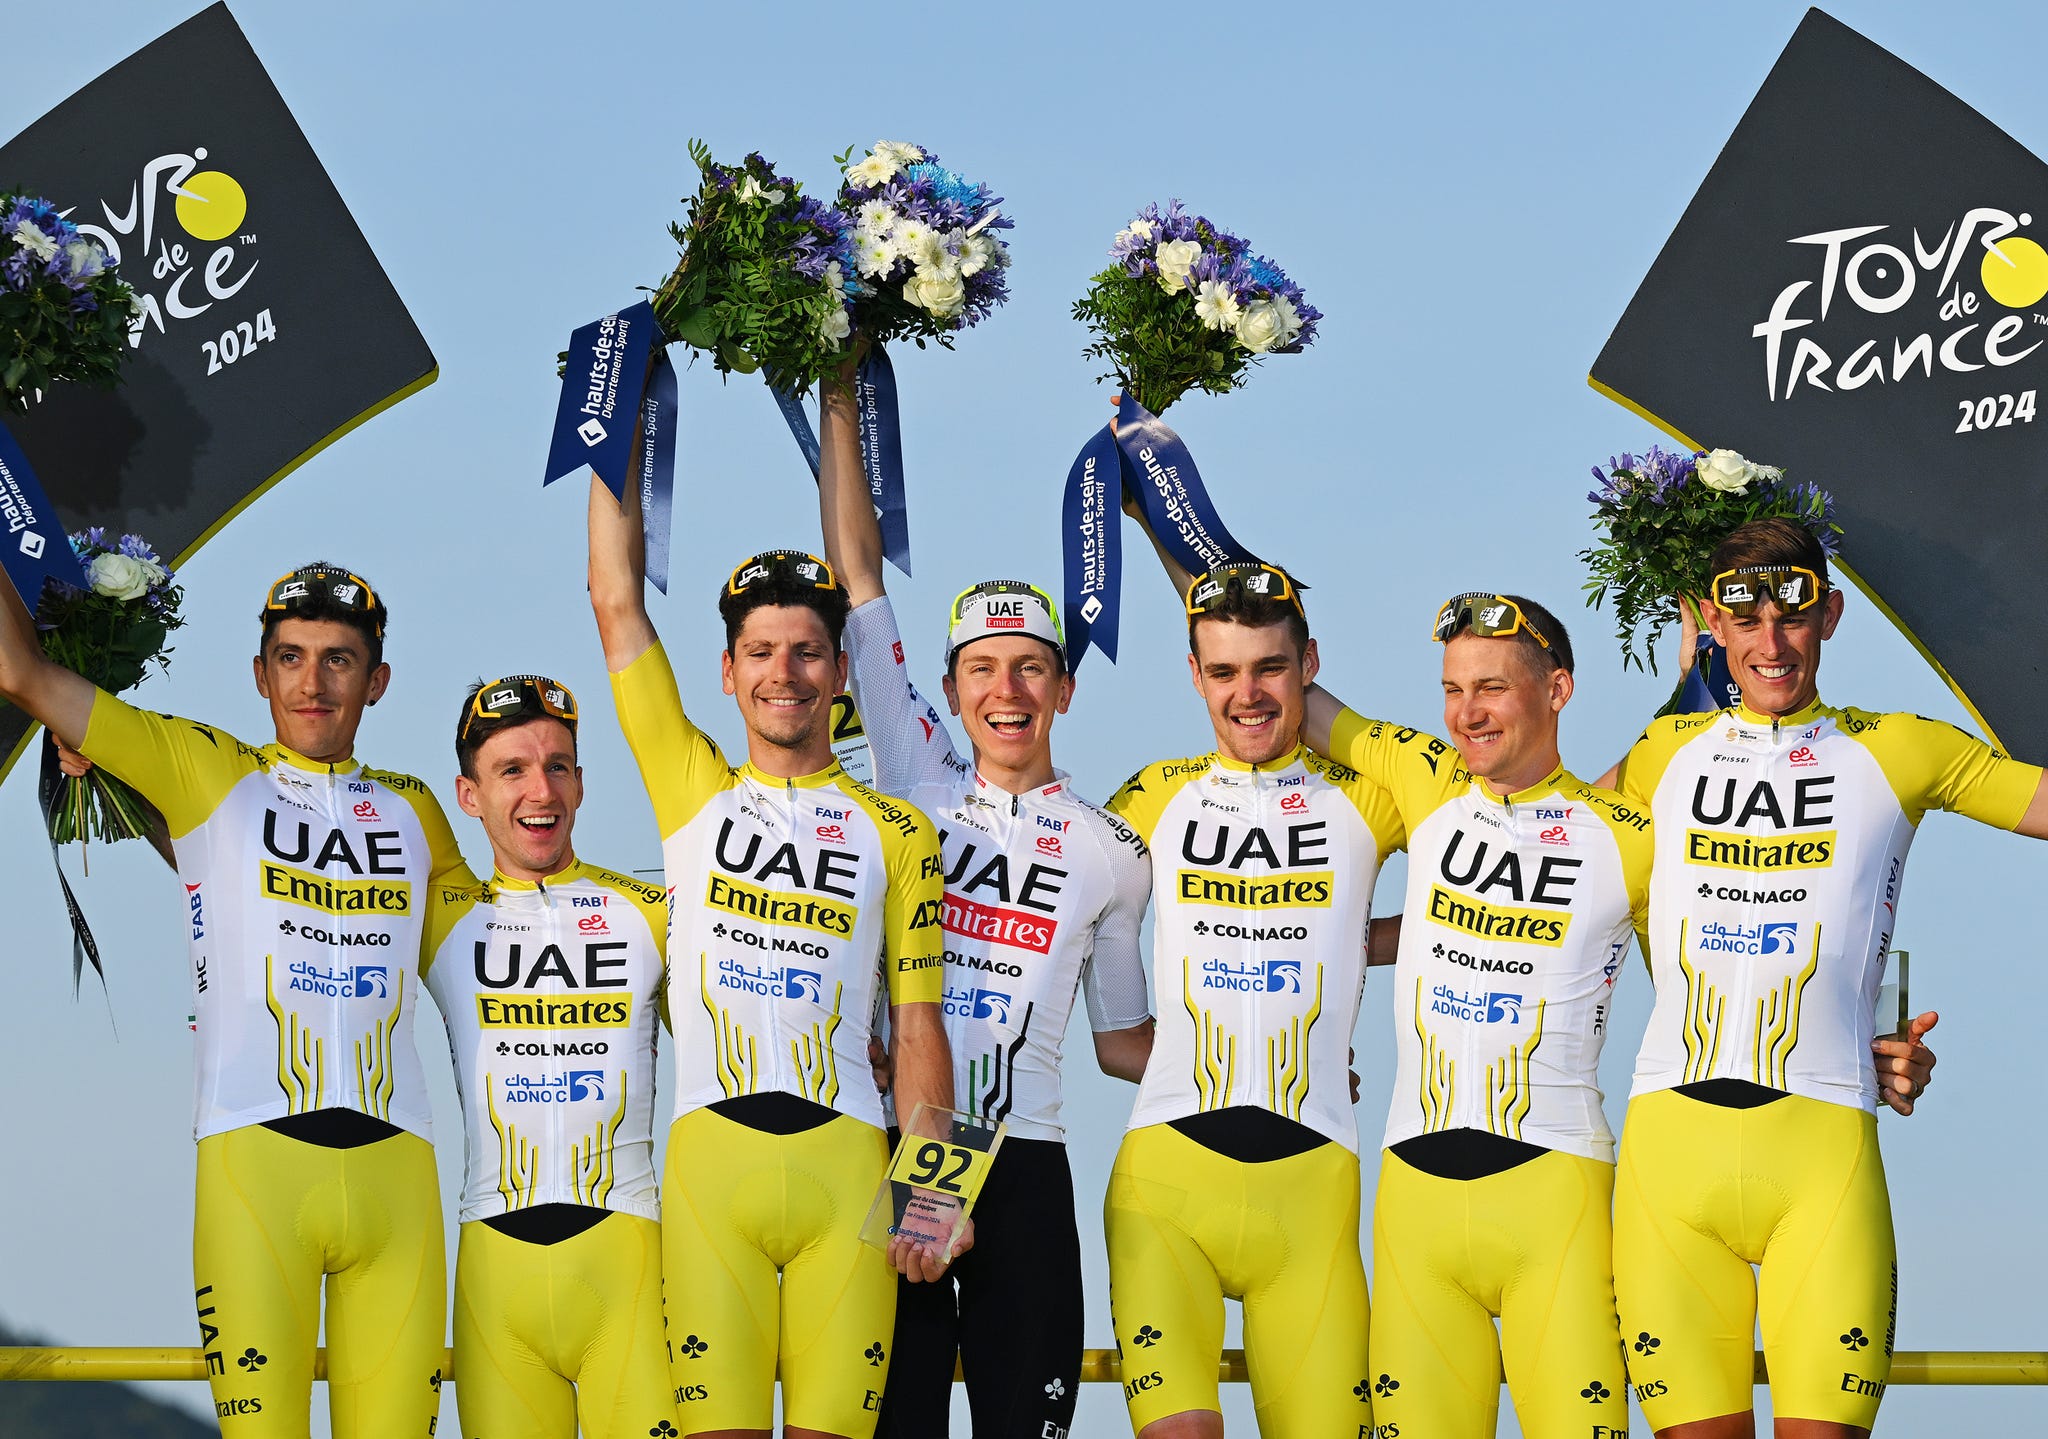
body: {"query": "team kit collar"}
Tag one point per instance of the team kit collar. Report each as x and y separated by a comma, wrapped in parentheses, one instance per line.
(832, 774)
(1296, 758)
(576, 869)
(1805, 715)
(1048, 792)
(281, 751)
(1542, 789)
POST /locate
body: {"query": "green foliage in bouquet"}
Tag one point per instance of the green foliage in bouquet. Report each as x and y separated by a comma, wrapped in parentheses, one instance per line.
(1662, 514)
(64, 312)
(762, 280)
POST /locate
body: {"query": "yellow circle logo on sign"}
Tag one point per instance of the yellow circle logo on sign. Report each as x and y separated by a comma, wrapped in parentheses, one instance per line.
(2015, 272)
(211, 205)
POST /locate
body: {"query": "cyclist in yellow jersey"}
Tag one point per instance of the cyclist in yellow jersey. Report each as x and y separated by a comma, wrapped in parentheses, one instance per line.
(549, 980)
(1782, 827)
(1239, 1176)
(793, 887)
(306, 877)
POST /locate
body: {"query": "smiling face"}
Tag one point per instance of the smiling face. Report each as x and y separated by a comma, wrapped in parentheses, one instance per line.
(1006, 690)
(1255, 683)
(318, 678)
(1775, 657)
(1501, 710)
(784, 670)
(526, 791)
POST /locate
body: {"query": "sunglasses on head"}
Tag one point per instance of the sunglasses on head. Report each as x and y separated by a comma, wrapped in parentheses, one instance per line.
(1489, 616)
(520, 697)
(1791, 588)
(1210, 588)
(300, 588)
(793, 565)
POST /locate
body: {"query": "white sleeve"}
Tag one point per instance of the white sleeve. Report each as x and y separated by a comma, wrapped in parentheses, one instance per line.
(906, 735)
(1113, 975)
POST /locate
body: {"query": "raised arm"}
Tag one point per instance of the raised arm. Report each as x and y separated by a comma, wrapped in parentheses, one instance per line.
(2034, 823)
(618, 570)
(47, 692)
(853, 532)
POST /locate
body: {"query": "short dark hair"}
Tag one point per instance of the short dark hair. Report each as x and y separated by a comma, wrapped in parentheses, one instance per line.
(1559, 655)
(781, 588)
(471, 735)
(1240, 606)
(1773, 541)
(371, 624)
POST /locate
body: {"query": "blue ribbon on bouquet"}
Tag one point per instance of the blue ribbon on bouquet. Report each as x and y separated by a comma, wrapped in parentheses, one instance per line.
(881, 448)
(1155, 468)
(34, 548)
(1708, 686)
(618, 382)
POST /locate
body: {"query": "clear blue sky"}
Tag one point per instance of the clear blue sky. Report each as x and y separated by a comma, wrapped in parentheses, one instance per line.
(1470, 193)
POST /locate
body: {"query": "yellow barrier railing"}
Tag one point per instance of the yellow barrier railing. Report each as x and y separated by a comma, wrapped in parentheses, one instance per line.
(1918, 1366)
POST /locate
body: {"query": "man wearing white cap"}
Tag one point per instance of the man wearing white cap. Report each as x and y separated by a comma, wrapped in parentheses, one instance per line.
(1044, 894)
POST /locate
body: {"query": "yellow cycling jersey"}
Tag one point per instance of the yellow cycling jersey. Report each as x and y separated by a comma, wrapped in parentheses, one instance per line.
(788, 898)
(1262, 877)
(1518, 916)
(551, 993)
(1781, 850)
(305, 890)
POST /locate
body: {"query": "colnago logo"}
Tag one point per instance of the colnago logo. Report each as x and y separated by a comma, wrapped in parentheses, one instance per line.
(174, 279)
(771, 981)
(1768, 937)
(1484, 963)
(1497, 921)
(1863, 275)
(1752, 896)
(966, 919)
(989, 1004)
(495, 1011)
(363, 981)
(314, 934)
(566, 1088)
(1487, 1007)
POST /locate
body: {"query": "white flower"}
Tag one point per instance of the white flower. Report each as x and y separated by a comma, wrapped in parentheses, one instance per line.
(977, 253)
(938, 295)
(1268, 324)
(834, 326)
(901, 153)
(1215, 306)
(1137, 230)
(1175, 259)
(872, 255)
(876, 169)
(876, 216)
(835, 278)
(750, 189)
(120, 577)
(1769, 474)
(84, 258)
(33, 240)
(1724, 470)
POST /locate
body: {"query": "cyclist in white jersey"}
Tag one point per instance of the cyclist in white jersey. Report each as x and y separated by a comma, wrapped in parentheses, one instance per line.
(1045, 893)
(1782, 827)
(306, 879)
(1239, 1176)
(549, 978)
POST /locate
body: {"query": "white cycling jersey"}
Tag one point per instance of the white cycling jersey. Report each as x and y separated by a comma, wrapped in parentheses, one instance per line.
(1518, 916)
(1263, 880)
(1044, 892)
(551, 993)
(1780, 855)
(306, 885)
(794, 903)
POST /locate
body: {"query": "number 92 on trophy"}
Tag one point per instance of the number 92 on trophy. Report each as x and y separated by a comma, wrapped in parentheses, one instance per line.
(932, 1182)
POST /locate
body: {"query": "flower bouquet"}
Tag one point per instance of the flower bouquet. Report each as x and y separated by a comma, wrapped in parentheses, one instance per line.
(1187, 306)
(926, 245)
(764, 279)
(64, 311)
(112, 633)
(1661, 515)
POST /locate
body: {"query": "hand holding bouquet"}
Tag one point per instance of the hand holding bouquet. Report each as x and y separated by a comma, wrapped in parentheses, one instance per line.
(1662, 514)
(1189, 306)
(64, 312)
(112, 634)
(927, 250)
(765, 278)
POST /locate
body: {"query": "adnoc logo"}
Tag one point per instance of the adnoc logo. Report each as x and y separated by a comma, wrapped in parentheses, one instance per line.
(1862, 274)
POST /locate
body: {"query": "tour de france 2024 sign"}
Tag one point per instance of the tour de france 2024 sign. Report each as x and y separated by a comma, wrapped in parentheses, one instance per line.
(266, 327)
(1859, 293)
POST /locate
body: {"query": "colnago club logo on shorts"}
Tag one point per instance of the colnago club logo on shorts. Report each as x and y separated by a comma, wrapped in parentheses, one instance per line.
(1892, 300)
(179, 237)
